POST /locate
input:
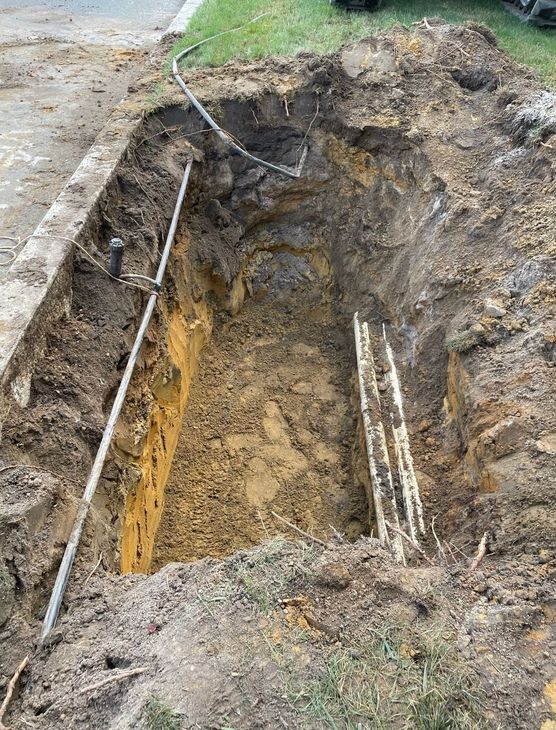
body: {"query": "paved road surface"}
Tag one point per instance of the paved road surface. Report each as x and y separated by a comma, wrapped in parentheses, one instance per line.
(63, 67)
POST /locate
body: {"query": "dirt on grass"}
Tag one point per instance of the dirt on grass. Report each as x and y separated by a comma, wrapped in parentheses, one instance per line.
(427, 204)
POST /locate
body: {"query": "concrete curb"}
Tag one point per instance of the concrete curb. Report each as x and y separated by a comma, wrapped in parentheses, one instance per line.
(37, 290)
(183, 18)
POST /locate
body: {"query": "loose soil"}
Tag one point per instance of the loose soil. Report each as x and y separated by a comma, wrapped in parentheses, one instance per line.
(426, 204)
(269, 426)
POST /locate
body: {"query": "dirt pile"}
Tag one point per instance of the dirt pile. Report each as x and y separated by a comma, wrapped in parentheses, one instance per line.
(293, 636)
(427, 204)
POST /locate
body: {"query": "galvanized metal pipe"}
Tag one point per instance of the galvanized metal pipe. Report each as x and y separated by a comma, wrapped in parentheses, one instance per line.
(406, 469)
(96, 471)
(382, 485)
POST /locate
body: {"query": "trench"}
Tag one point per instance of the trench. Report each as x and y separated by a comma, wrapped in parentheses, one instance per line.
(254, 415)
(245, 402)
(248, 404)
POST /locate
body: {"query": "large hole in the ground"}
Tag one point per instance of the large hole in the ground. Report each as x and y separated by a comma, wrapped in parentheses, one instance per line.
(250, 404)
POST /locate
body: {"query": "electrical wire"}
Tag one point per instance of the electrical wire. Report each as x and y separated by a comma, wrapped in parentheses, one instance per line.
(21, 241)
(226, 137)
(9, 250)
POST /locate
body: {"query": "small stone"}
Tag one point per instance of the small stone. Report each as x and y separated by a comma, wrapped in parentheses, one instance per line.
(477, 328)
(334, 575)
(382, 386)
(414, 135)
(430, 441)
(424, 425)
(544, 556)
(547, 444)
(493, 309)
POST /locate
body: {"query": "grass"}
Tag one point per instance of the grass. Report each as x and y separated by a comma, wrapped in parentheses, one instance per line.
(265, 575)
(6, 578)
(391, 681)
(158, 716)
(292, 26)
(462, 341)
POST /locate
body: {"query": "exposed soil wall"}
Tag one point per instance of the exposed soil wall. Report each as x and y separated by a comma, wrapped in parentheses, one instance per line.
(52, 442)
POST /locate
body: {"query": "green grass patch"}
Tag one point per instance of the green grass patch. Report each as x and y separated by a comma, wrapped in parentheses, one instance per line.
(266, 575)
(158, 716)
(462, 341)
(292, 26)
(393, 680)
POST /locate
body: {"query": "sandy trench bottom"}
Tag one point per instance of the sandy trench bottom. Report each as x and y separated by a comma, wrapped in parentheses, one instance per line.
(269, 427)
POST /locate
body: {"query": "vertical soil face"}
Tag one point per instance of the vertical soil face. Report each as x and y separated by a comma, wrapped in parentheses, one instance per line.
(269, 425)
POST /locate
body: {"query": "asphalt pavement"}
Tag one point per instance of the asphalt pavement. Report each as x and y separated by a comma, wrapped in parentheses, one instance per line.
(63, 68)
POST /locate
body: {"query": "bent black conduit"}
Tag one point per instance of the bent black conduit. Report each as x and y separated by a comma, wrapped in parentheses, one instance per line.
(224, 136)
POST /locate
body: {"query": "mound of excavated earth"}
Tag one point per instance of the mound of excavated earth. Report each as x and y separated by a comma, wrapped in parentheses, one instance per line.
(427, 203)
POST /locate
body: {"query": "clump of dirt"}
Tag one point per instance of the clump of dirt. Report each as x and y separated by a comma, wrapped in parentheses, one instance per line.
(421, 208)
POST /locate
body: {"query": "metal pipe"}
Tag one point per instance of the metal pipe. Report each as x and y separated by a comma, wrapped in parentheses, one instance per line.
(408, 478)
(96, 471)
(382, 485)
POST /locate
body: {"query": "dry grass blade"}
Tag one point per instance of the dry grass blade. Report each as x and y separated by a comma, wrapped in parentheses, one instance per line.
(88, 578)
(440, 548)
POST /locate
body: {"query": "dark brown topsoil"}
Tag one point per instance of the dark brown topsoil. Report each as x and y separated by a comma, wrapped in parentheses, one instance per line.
(432, 199)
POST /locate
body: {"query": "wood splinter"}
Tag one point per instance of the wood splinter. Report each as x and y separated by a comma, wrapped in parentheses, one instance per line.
(298, 529)
(114, 678)
(481, 552)
(413, 544)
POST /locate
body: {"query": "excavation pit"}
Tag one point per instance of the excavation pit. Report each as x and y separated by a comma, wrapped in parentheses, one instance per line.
(419, 208)
(245, 400)
(269, 419)
(247, 406)
(252, 408)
